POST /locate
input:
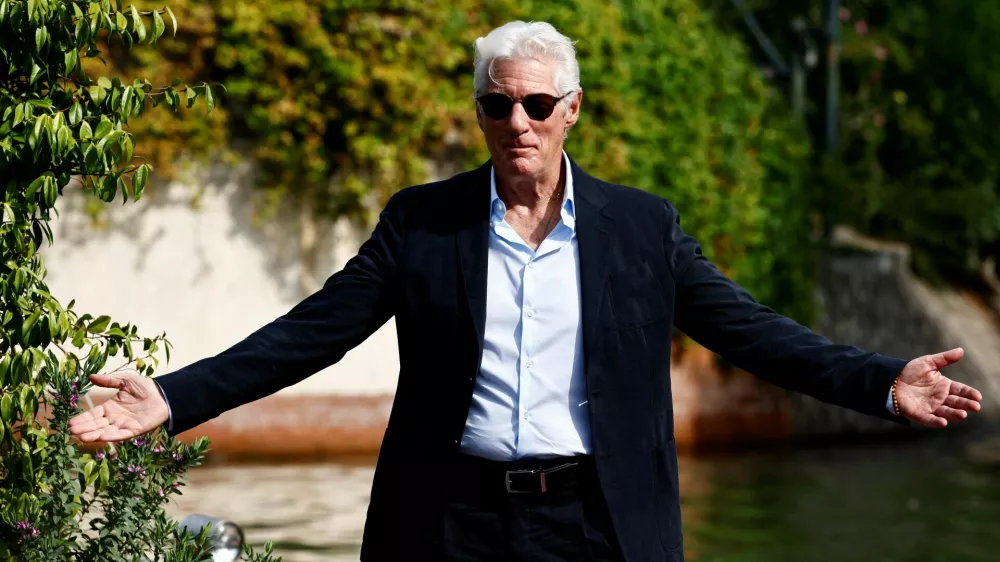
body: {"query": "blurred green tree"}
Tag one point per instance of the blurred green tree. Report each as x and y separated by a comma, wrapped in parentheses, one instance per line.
(340, 104)
(920, 101)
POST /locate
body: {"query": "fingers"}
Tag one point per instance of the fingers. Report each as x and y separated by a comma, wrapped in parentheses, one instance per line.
(945, 358)
(951, 414)
(87, 421)
(108, 381)
(962, 403)
(965, 391)
(107, 434)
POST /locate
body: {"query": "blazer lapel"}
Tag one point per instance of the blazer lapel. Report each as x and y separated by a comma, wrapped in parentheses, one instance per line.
(472, 239)
(595, 232)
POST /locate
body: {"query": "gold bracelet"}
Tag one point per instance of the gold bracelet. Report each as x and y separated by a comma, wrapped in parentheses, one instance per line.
(895, 404)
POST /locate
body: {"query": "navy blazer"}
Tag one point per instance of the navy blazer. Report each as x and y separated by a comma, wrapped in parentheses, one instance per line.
(425, 264)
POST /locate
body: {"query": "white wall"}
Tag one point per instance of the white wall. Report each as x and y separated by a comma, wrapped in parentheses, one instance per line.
(206, 276)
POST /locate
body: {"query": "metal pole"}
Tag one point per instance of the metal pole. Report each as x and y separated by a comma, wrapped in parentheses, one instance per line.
(832, 73)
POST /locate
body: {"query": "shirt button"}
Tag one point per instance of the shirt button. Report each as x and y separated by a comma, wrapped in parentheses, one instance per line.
(528, 364)
(527, 415)
(530, 314)
(531, 264)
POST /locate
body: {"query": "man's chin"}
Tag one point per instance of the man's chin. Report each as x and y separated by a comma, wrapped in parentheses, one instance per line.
(520, 166)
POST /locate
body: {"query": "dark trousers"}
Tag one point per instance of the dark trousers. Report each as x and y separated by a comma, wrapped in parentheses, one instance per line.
(484, 521)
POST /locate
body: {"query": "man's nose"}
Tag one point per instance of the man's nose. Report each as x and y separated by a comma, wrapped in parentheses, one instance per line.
(518, 120)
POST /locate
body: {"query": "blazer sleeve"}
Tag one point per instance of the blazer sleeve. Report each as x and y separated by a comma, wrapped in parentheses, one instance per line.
(722, 316)
(316, 333)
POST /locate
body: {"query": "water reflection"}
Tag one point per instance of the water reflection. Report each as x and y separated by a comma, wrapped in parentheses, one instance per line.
(923, 499)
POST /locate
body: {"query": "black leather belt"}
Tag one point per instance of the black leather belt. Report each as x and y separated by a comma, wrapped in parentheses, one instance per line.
(525, 476)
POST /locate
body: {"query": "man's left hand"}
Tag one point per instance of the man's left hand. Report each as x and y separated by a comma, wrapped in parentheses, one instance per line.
(926, 396)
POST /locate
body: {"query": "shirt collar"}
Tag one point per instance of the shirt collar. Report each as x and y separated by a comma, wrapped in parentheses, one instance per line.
(568, 214)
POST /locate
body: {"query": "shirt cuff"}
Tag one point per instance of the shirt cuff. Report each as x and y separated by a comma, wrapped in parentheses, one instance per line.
(888, 404)
(170, 414)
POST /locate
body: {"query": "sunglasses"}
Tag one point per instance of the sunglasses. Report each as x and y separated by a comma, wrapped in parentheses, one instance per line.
(538, 106)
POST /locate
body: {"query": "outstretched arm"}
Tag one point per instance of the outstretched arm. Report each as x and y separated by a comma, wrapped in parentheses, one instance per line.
(316, 333)
(722, 316)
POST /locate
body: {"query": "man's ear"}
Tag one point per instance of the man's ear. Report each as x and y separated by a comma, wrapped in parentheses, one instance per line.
(573, 111)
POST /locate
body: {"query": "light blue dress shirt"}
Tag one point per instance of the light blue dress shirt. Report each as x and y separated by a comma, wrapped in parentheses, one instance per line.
(530, 398)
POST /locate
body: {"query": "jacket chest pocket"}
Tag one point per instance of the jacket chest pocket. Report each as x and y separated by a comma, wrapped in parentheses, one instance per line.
(637, 298)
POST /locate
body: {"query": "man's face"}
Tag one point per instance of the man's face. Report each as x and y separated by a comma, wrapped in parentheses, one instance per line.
(521, 146)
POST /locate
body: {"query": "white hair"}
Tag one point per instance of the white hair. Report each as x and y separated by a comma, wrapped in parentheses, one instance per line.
(528, 40)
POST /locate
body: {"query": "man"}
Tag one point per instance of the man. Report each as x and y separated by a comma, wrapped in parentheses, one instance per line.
(534, 306)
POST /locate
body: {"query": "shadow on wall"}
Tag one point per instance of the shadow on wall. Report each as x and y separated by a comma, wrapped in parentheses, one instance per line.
(299, 252)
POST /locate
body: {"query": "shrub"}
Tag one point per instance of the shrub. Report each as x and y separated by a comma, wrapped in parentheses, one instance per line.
(62, 128)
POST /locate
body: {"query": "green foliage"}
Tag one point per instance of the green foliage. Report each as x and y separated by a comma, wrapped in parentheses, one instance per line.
(922, 103)
(920, 99)
(343, 103)
(60, 126)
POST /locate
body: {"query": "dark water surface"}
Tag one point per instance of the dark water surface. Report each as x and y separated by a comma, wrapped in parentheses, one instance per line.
(927, 498)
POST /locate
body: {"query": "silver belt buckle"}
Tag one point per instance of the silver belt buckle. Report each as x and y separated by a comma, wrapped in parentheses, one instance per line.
(540, 473)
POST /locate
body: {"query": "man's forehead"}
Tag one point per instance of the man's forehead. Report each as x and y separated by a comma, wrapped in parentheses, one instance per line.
(530, 74)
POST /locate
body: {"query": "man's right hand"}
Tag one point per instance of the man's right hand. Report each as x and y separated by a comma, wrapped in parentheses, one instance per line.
(137, 408)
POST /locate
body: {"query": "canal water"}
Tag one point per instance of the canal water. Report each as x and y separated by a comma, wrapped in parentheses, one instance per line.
(924, 498)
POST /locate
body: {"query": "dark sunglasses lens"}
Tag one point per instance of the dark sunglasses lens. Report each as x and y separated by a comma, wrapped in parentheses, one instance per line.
(496, 106)
(539, 106)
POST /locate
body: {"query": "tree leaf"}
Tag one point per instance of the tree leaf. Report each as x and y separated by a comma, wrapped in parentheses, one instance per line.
(209, 98)
(128, 145)
(32, 320)
(122, 22)
(103, 129)
(40, 125)
(138, 26)
(36, 71)
(41, 36)
(139, 180)
(7, 408)
(85, 132)
(105, 475)
(18, 114)
(99, 323)
(158, 26)
(109, 188)
(104, 82)
(69, 60)
(75, 114)
(173, 20)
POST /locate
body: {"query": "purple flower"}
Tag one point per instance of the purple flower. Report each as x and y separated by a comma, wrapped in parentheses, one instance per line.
(137, 470)
(73, 400)
(162, 492)
(158, 449)
(860, 27)
(139, 442)
(845, 14)
(27, 530)
(73, 386)
(57, 395)
(175, 485)
(178, 457)
(100, 455)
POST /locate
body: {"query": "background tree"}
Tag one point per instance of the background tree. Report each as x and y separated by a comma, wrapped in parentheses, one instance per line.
(920, 99)
(341, 104)
(63, 128)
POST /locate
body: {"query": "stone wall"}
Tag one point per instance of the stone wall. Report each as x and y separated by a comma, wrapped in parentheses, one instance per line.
(869, 298)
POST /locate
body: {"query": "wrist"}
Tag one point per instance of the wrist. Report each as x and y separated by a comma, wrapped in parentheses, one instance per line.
(895, 401)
